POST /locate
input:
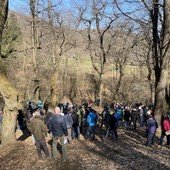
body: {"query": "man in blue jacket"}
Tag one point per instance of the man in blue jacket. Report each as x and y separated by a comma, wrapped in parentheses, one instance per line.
(58, 128)
(91, 122)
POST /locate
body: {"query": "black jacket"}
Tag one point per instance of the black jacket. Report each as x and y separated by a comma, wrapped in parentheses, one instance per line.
(57, 125)
(126, 115)
(68, 120)
(75, 118)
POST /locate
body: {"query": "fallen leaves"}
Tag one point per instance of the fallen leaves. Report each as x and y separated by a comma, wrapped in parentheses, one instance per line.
(126, 153)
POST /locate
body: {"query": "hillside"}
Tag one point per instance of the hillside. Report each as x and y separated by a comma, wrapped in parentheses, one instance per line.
(129, 152)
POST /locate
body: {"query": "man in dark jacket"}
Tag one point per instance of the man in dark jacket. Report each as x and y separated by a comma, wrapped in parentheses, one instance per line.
(134, 116)
(75, 127)
(58, 128)
(112, 125)
(127, 117)
(69, 123)
(39, 131)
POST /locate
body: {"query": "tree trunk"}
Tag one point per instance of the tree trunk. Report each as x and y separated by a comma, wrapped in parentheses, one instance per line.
(12, 104)
(9, 93)
(54, 90)
(161, 64)
(101, 90)
(161, 105)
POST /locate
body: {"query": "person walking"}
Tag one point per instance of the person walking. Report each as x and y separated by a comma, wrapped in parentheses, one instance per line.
(58, 128)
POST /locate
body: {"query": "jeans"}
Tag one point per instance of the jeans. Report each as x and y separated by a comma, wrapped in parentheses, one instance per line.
(113, 132)
(76, 132)
(134, 122)
(63, 147)
(42, 144)
(127, 124)
(91, 131)
(141, 121)
(150, 139)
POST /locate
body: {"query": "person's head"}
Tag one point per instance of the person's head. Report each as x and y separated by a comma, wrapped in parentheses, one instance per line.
(56, 110)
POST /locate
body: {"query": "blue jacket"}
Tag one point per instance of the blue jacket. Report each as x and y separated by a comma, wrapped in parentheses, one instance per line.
(92, 119)
(119, 113)
(57, 125)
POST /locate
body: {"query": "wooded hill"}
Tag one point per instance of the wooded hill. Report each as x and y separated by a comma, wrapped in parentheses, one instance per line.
(37, 52)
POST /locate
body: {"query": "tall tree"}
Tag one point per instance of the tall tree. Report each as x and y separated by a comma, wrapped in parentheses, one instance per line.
(156, 18)
(99, 22)
(161, 42)
(9, 93)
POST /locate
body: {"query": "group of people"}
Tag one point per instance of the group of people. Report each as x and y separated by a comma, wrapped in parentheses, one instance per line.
(67, 122)
(64, 123)
(112, 115)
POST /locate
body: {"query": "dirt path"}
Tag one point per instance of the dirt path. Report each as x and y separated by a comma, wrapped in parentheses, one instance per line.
(128, 152)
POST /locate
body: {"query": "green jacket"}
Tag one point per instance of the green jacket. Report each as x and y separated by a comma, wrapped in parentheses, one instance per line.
(38, 128)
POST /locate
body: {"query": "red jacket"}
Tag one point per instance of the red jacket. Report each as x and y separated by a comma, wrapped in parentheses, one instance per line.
(166, 124)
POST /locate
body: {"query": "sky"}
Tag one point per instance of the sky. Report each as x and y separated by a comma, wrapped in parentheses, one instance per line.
(18, 5)
(23, 5)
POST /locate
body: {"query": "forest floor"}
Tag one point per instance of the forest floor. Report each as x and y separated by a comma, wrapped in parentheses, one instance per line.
(128, 153)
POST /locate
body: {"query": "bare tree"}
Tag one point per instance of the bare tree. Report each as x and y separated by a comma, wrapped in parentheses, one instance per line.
(99, 36)
(120, 54)
(158, 16)
(63, 40)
